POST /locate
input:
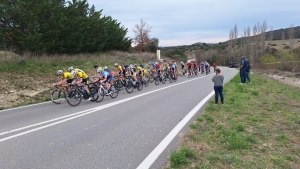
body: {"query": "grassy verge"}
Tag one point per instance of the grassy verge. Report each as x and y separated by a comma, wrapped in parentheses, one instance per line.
(257, 127)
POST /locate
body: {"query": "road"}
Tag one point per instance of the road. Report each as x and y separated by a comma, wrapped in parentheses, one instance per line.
(114, 134)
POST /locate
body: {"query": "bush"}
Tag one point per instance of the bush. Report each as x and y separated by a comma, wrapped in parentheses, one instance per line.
(180, 157)
(273, 44)
(267, 59)
(286, 47)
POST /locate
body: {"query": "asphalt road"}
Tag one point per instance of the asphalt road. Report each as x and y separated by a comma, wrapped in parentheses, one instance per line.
(116, 133)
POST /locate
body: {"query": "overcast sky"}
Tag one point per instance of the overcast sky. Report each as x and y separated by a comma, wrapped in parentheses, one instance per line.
(184, 22)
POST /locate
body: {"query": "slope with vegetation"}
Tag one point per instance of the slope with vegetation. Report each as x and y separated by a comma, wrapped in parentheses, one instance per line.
(257, 127)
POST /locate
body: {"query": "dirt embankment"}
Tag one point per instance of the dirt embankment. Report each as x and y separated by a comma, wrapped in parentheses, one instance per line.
(289, 78)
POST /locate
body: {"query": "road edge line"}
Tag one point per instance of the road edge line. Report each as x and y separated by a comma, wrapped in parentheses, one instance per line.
(150, 159)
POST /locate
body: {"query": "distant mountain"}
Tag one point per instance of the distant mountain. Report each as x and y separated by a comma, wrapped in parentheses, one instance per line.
(202, 43)
(195, 44)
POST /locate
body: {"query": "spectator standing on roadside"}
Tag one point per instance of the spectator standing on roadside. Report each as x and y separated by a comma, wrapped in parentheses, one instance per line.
(248, 72)
(243, 66)
(218, 80)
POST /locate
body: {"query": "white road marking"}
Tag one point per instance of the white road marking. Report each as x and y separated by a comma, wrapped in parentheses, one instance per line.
(79, 114)
(150, 159)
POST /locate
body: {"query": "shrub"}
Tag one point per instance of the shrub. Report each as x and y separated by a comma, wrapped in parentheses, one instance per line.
(273, 44)
(267, 59)
(180, 157)
(286, 47)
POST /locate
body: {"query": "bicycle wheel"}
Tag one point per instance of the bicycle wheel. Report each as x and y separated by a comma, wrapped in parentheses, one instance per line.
(99, 95)
(146, 81)
(151, 78)
(58, 96)
(164, 79)
(93, 92)
(118, 85)
(114, 92)
(139, 85)
(74, 97)
(129, 87)
(157, 80)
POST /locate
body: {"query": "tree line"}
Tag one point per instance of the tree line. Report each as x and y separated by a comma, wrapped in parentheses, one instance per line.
(57, 26)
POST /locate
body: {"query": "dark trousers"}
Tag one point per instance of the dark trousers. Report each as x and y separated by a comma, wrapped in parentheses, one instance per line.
(218, 91)
(243, 75)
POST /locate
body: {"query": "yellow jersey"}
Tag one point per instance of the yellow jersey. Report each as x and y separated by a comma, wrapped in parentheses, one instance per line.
(81, 74)
(119, 68)
(139, 68)
(67, 75)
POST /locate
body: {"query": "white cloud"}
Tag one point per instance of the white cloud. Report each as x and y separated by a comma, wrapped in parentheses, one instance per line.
(186, 22)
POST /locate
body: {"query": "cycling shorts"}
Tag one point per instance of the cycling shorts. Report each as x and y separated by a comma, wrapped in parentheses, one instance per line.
(86, 80)
(70, 80)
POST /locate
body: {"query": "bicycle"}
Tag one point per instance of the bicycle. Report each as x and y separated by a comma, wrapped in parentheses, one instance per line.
(161, 79)
(75, 95)
(58, 96)
(113, 92)
(143, 79)
(120, 83)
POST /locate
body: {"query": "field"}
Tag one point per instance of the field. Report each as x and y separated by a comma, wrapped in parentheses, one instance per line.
(257, 127)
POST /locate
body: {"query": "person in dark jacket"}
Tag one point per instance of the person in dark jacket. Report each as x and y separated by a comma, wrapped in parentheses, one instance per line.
(244, 64)
(218, 80)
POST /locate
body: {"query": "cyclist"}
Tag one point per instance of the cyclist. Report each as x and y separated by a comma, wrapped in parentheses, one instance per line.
(81, 77)
(195, 66)
(140, 70)
(189, 65)
(105, 78)
(207, 66)
(214, 66)
(96, 67)
(73, 71)
(182, 65)
(132, 72)
(112, 75)
(202, 67)
(119, 69)
(66, 78)
(158, 70)
(173, 68)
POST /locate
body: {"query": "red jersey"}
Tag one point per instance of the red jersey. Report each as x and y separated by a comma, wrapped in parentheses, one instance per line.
(157, 66)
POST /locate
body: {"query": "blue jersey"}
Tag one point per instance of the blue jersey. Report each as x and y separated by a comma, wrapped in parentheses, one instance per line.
(106, 75)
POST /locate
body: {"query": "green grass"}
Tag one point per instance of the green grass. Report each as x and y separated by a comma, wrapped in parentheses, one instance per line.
(257, 127)
(181, 157)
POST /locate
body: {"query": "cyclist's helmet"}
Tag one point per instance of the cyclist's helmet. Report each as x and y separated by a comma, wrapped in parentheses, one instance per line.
(105, 67)
(70, 68)
(99, 70)
(156, 63)
(95, 66)
(131, 66)
(60, 72)
(116, 64)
